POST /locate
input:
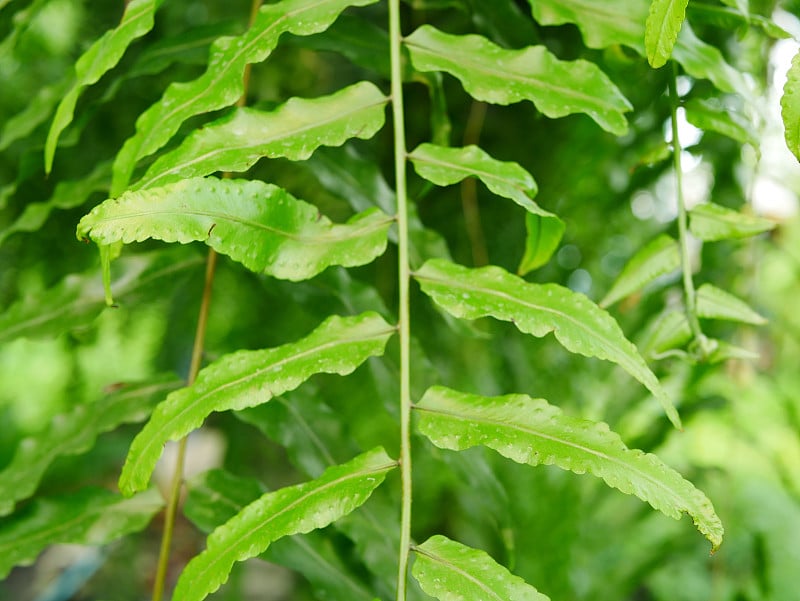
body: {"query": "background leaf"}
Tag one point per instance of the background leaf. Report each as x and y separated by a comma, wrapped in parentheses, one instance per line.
(221, 84)
(76, 432)
(542, 239)
(577, 323)
(450, 571)
(92, 516)
(534, 432)
(260, 225)
(659, 257)
(248, 378)
(724, 120)
(661, 29)
(499, 76)
(101, 56)
(291, 510)
(712, 222)
(715, 303)
(293, 130)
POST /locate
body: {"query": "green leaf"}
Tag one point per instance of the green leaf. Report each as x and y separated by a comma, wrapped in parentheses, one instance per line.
(291, 510)
(711, 117)
(221, 84)
(293, 130)
(360, 182)
(667, 332)
(712, 222)
(602, 24)
(661, 29)
(660, 257)
(533, 432)
(217, 496)
(78, 299)
(249, 378)
(499, 76)
(541, 241)
(260, 225)
(36, 112)
(74, 433)
(790, 107)
(713, 303)
(67, 195)
(612, 22)
(578, 324)
(92, 516)
(451, 571)
(102, 56)
(704, 61)
(445, 166)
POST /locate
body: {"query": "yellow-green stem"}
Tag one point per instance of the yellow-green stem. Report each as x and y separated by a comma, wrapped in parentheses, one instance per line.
(683, 235)
(177, 475)
(403, 282)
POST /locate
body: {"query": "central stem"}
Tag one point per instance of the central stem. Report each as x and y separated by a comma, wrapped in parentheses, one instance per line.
(683, 235)
(403, 283)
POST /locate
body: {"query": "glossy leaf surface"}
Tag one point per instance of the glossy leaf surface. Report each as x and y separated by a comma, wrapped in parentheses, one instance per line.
(543, 235)
(712, 222)
(249, 378)
(75, 432)
(661, 29)
(445, 166)
(221, 84)
(533, 432)
(715, 303)
(499, 76)
(450, 571)
(260, 225)
(659, 257)
(790, 107)
(92, 516)
(577, 323)
(101, 57)
(293, 130)
(217, 496)
(291, 510)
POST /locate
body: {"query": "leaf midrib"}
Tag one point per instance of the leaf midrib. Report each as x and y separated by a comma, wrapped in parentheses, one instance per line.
(218, 149)
(231, 549)
(167, 425)
(529, 429)
(593, 101)
(316, 238)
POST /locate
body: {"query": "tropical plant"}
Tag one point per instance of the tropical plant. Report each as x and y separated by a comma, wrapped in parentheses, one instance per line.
(336, 343)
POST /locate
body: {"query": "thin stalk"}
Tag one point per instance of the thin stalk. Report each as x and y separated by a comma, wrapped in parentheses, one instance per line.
(177, 475)
(469, 189)
(404, 329)
(689, 294)
(194, 369)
